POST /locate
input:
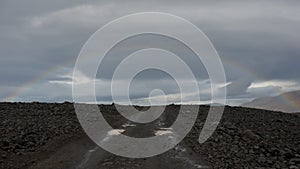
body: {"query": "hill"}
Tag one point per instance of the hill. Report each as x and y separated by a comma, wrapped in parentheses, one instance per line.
(286, 102)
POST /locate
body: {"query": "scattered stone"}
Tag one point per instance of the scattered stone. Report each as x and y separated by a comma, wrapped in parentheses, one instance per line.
(4, 156)
(288, 153)
(250, 135)
(295, 160)
(294, 167)
(230, 126)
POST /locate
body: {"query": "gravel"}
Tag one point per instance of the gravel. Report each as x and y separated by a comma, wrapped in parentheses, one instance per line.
(245, 138)
(250, 138)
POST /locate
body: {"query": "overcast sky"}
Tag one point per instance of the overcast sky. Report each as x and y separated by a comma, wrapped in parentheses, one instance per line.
(258, 42)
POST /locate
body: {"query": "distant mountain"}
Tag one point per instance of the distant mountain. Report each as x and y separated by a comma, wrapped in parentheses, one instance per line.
(286, 102)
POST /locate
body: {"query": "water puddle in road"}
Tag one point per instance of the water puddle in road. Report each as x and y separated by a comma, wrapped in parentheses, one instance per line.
(162, 132)
(115, 132)
(128, 125)
(166, 128)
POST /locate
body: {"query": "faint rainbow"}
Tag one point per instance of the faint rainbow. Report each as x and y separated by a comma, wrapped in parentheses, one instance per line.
(26, 86)
(292, 102)
(286, 98)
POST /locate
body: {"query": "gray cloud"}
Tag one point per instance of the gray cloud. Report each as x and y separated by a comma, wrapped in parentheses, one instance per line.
(40, 40)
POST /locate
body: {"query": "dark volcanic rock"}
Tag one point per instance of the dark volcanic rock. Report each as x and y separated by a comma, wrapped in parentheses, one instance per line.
(250, 138)
(245, 138)
(249, 135)
(26, 128)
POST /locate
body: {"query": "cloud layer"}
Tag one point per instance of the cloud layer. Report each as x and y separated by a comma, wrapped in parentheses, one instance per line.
(258, 42)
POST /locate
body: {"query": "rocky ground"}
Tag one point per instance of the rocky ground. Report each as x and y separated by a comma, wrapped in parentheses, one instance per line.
(251, 138)
(246, 138)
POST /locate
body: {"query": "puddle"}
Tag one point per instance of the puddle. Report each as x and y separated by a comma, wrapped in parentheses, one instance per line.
(166, 128)
(115, 132)
(128, 125)
(162, 132)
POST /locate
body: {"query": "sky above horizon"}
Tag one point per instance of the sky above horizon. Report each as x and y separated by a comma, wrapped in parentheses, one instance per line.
(258, 43)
